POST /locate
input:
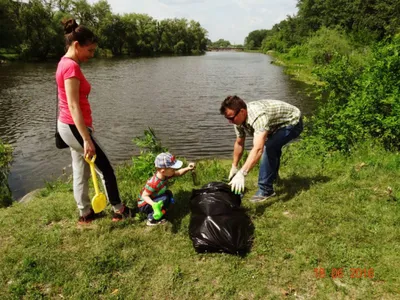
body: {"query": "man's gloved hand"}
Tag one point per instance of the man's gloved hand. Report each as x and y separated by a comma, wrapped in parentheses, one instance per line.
(237, 183)
(232, 172)
(192, 165)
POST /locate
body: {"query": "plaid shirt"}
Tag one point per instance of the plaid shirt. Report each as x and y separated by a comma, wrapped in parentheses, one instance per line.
(267, 115)
(155, 187)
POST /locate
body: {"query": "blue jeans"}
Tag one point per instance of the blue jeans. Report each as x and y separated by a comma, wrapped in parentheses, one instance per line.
(271, 158)
(167, 200)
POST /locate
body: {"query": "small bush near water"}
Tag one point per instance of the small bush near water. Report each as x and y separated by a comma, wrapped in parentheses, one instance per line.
(5, 160)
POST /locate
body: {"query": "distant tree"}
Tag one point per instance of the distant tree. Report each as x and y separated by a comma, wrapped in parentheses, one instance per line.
(39, 36)
(255, 38)
(82, 11)
(375, 19)
(147, 34)
(113, 33)
(64, 6)
(100, 11)
(8, 31)
(131, 31)
(197, 40)
(221, 43)
(33, 29)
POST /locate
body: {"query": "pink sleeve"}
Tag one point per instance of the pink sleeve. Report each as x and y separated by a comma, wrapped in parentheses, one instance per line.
(72, 70)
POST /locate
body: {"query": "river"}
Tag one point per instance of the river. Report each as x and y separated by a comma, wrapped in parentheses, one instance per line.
(179, 97)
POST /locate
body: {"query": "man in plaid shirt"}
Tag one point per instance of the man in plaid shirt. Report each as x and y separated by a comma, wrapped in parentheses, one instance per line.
(273, 124)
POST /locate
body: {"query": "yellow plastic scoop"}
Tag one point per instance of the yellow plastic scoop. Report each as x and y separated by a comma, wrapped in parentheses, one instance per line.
(99, 200)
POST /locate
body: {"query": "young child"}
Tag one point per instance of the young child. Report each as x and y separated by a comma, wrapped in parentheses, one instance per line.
(156, 188)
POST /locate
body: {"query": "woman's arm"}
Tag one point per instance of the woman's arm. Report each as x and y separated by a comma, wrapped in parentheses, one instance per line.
(72, 92)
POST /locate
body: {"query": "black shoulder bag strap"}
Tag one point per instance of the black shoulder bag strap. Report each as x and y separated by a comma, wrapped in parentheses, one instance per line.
(60, 144)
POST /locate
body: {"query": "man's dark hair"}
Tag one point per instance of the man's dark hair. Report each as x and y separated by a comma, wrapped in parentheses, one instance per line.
(232, 102)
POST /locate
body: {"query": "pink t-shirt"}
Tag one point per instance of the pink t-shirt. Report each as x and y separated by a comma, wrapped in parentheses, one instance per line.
(68, 68)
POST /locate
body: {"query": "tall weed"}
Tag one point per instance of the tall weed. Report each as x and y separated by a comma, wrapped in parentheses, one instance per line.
(5, 160)
(132, 176)
(150, 146)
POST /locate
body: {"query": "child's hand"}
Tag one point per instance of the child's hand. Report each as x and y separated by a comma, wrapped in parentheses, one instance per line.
(192, 166)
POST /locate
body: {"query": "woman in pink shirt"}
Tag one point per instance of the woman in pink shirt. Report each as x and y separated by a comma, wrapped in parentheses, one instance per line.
(75, 123)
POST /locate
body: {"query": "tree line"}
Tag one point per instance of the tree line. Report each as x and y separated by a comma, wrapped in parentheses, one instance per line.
(221, 43)
(363, 22)
(352, 48)
(33, 30)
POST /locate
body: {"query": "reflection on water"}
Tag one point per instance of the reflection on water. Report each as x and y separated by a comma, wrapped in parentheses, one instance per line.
(179, 97)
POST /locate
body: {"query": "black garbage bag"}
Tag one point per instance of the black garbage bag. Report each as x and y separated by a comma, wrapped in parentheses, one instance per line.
(218, 223)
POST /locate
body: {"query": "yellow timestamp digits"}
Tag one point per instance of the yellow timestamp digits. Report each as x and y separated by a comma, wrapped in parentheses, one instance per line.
(341, 273)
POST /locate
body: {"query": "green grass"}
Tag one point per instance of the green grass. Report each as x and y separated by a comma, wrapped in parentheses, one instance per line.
(299, 69)
(332, 211)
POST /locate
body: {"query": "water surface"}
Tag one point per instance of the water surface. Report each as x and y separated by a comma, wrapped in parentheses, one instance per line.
(179, 97)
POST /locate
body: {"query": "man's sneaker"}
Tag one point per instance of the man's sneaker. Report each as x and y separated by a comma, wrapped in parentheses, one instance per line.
(262, 198)
(155, 223)
(89, 218)
(124, 213)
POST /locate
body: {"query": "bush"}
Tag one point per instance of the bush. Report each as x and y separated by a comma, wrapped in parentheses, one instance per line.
(274, 43)
(297, 51)
(376, 106)
(132, 177)
(5, 160)
(180, 48)
(150, 146)
(326, 44)
(361, 100)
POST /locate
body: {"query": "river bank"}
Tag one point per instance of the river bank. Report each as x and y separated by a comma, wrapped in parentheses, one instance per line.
(189, 89)
(331, 232)
(299, 69)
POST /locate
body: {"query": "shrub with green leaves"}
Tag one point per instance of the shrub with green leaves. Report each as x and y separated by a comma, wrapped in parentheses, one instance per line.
(132, 177)
(339, 83)
(377, 107)
(297, 51)
(362, 101)
(326, 44)
(5, 160)
(150, 146)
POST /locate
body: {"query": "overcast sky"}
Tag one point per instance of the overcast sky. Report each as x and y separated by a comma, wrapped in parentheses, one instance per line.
(231, 20)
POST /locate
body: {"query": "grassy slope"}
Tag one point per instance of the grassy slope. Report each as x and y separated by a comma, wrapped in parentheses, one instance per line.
(331, 212)
(299, 68)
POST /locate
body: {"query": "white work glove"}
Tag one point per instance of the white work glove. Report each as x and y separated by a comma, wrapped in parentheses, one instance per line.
(232, 172)
(192, 166)
(237, 183)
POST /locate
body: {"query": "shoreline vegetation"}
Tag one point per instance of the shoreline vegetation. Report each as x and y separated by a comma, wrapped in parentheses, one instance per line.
(13, 57)
(32, 31)
(298, 70)
(331, 232)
